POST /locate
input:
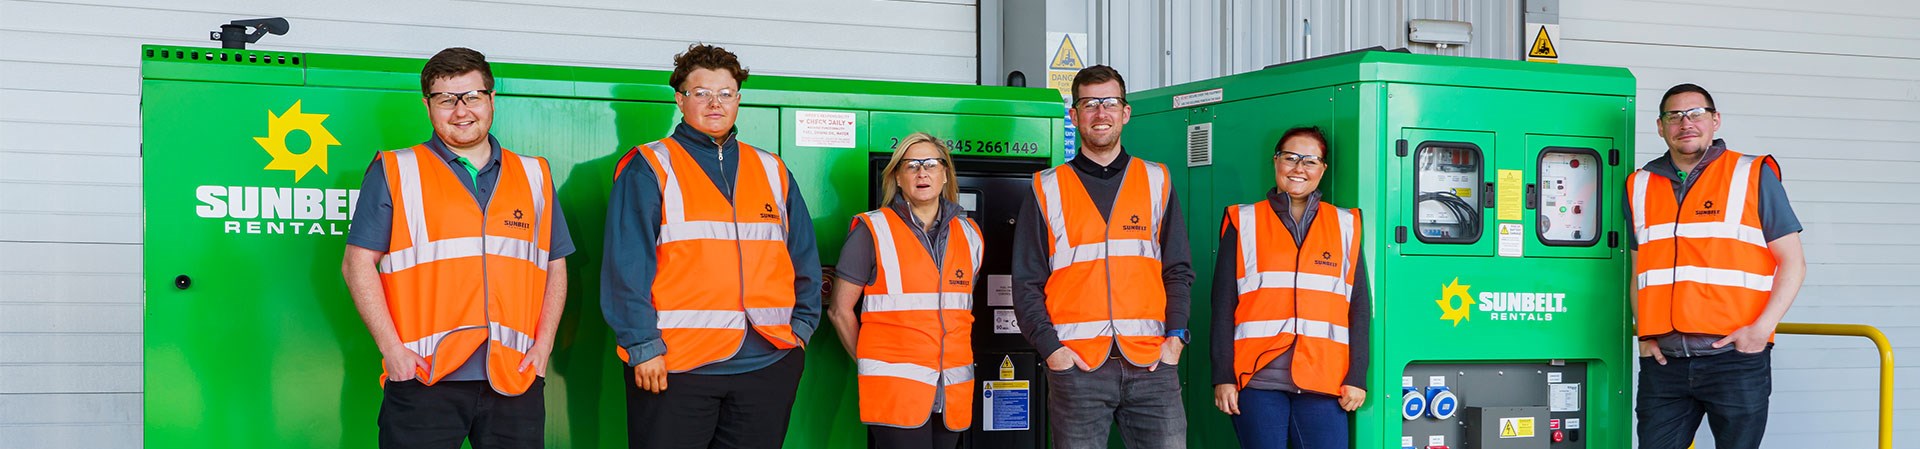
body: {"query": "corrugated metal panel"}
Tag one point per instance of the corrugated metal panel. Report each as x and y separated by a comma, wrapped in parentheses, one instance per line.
(1833, 91)
(1206, 39)
(70, 174)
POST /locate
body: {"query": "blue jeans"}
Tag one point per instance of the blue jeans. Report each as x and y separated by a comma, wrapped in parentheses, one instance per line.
(1269, 419)
(1082, 406)
(1730, 389)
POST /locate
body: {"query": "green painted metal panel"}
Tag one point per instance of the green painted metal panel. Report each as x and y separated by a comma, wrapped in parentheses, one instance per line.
(1368, 102)
(265, 349)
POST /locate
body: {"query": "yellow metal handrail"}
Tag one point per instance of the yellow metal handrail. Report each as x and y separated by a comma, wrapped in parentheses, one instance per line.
(1886, 363)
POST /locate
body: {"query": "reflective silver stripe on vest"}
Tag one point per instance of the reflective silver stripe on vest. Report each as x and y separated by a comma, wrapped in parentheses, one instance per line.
(1156, 192)
(889, 255)
(1290, 279)
(1124, 328)
(673, 207)
(1105, 249)
(974, 246)
(770, 165)
(771, 316)
(910, 302)
(1710, 276)
(957, 375)
(1640, 179)
(427, 345)
(1713, 229)
(1056, 215)
(702, 319)
(510, 337)
(950, 376)
(1347, 232)
(409, 166)
(908, 371)
(1249, 246)
(537, 187)
(1298, 326)
(1737, 192)
(455, 248)
(517, 249)
(420, 253)
(720, 230)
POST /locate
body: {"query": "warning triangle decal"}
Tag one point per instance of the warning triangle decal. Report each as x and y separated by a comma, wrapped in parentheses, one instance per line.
(1543, 46)
(1066, 57)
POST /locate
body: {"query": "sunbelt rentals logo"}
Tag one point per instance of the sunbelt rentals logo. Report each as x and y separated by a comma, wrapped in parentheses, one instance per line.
(283, 209)
(1457, 303)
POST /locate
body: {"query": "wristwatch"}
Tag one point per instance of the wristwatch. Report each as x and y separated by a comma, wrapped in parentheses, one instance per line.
(1181, 334)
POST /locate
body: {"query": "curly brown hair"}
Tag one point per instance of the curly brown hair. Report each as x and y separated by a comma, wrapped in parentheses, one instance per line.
(703, 56)
(454, 62)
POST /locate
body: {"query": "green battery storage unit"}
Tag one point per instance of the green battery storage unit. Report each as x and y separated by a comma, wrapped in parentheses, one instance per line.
(1491, 197)
(252, 162)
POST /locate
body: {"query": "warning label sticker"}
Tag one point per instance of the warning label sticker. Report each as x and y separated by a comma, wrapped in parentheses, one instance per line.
(1540, 46)
(824, 129)
(1066, 56)
(1005, 405)
(1516, 427)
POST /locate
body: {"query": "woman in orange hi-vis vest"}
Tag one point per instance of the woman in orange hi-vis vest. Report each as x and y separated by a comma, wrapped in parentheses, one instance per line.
(910, 266)
(1290, 308)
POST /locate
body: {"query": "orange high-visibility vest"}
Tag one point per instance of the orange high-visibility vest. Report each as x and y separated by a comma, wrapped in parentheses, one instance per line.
(916, 325)
(1106, 285)
(1294, 297)
(457, 277)
(1703, 265)
(723, 266)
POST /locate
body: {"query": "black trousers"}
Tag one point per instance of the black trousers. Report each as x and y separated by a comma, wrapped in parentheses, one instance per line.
(933, 435)
(414, 415)
(748, 410)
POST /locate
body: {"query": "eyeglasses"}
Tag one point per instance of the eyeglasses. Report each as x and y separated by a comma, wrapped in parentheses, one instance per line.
(702, 95)
(1694, 115)
(1307, 161)
(448, 100)
(932, 163)
(1100, 103)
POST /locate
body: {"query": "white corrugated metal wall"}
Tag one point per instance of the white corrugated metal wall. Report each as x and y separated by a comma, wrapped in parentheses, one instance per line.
(1833, 90)
(70, 173)
(1164, 42)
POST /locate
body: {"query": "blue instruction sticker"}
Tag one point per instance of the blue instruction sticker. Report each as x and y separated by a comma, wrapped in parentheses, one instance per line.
(1005, 405)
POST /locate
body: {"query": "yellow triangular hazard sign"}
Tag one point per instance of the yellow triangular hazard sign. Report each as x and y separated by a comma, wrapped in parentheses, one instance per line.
(1506, 430)
(1543, 46)
(1066, 57)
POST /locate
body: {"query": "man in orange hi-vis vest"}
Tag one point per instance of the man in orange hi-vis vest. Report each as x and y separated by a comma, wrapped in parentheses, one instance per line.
(1717, 262)
(1102, 275)
(459, 272)
(711, 280)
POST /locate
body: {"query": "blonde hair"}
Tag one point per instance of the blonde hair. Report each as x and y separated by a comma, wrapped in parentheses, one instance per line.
(890, 187)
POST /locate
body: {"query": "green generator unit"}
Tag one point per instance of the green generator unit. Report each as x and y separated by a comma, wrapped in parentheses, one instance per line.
(1491, 192)
(253, 161)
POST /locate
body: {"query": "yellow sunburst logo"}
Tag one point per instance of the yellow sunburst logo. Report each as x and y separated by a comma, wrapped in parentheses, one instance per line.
(1447, 308)
(275, 141)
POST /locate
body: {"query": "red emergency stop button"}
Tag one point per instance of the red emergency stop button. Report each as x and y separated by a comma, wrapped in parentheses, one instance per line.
(1559, 436)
